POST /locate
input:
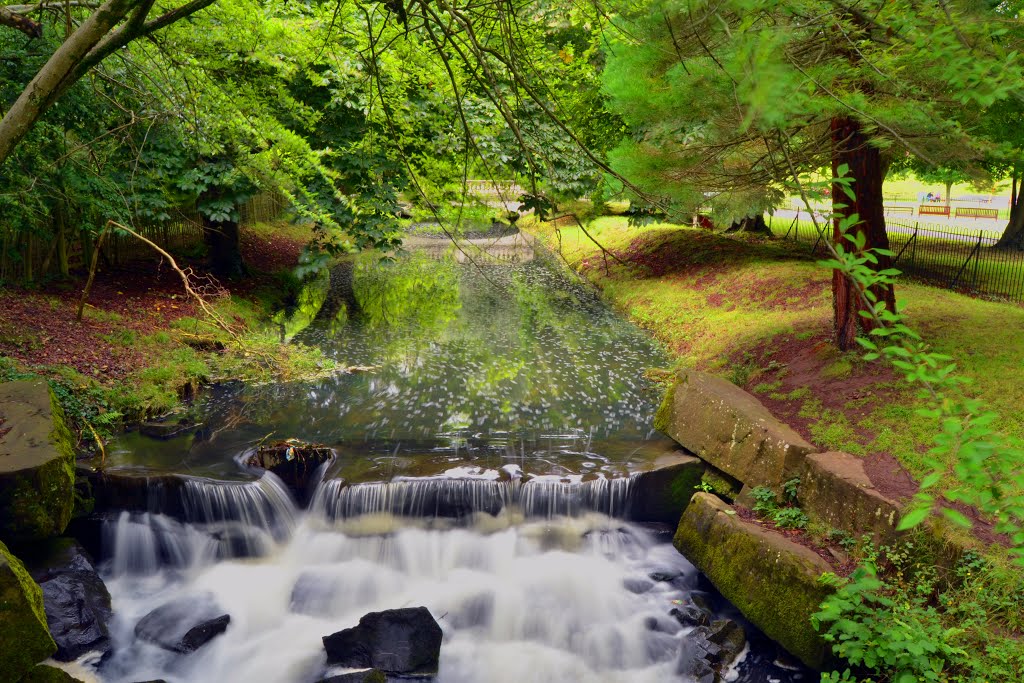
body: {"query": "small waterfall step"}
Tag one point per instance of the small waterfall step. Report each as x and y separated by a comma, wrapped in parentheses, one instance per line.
(454, 498)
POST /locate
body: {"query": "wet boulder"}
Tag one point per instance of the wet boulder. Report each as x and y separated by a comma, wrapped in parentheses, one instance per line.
(37, 475)
(75, 599)
(399, 641)
(691, 615)
(707, 651)
(24, 638)
(183, 626)
(296, 463)
(115, 491)
(235, 540)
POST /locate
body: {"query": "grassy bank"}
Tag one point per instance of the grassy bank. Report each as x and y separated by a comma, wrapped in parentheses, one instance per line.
(759, 313)
(144, 346)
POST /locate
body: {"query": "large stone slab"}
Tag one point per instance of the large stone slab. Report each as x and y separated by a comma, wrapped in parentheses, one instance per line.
(24, 638)
(770, 579)
(37, 457)
(835, 490)
(729, 428)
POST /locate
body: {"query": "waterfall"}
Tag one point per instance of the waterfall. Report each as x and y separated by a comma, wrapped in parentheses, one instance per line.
(222, 520)
(264, 504)
(336, 499)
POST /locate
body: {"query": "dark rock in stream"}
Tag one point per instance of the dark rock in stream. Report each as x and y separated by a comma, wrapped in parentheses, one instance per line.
(707, 651)
(115, 491)
(399, 641)
(236, 540)
(691, 615)
(75, 599)
(294, 462)
(183, 626)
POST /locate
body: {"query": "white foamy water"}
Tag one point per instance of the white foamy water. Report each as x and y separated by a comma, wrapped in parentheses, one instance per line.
(537, 601)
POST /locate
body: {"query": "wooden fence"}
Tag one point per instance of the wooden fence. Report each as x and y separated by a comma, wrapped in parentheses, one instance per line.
(946, 256)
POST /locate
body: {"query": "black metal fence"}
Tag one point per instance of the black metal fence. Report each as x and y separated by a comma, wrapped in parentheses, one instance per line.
(961, 259)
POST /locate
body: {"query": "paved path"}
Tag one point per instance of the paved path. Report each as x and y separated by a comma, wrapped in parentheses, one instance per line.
(992, 228)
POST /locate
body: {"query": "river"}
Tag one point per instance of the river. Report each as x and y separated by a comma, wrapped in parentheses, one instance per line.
(484, 455)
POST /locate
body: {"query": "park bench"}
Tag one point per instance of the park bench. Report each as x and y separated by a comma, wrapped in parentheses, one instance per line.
(975, 212)
(933, 210)
(909, 210)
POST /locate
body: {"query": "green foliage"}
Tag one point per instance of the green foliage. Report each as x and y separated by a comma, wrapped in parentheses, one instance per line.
(900, 634)
(895, 628)
(726, 101)
(786, 515)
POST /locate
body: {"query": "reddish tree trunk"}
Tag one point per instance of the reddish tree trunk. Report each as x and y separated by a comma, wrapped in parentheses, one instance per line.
(851, 147)
(1012, 235)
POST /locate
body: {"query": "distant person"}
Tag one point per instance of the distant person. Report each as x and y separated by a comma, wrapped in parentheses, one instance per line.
(930, 197)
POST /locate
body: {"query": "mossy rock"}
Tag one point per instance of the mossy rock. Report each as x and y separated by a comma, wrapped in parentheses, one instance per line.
(37, 458)
(24, 637)
(770, 579)
(48, 674)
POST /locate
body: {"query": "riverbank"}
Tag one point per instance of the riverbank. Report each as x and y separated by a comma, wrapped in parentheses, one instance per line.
(758, 314)
(143, 345)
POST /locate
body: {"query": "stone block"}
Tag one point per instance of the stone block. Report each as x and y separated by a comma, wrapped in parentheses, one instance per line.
(730, 429)
(37, 475)
(770, 579)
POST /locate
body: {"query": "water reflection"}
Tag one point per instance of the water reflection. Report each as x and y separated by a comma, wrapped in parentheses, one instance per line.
(490, 362)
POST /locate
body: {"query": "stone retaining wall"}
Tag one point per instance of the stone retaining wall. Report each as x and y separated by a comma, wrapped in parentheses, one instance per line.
(771, 579)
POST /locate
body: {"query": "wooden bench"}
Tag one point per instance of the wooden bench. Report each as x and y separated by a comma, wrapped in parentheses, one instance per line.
(909, 210)
(975, 212)
(933, 210)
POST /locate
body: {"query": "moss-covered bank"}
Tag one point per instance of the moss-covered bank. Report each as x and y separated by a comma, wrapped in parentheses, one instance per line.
(24, 637)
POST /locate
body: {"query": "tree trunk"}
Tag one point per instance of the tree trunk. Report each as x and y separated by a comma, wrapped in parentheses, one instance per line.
(1013, 235)
(751, 224)
(949, 191)
(92, 42)
(851, 147)
(225, 256)
(53, 78)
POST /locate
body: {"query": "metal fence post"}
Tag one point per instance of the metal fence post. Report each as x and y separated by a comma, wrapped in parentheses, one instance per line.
(913, 250)
(977, 259)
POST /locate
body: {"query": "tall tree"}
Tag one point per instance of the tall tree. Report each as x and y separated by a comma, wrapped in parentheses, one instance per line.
(735, 97)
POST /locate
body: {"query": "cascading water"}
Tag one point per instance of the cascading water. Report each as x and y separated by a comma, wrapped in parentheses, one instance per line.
(221, 520)
(482, 473)
(440, 497)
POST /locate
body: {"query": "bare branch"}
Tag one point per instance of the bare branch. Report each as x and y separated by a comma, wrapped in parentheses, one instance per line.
(12, 17)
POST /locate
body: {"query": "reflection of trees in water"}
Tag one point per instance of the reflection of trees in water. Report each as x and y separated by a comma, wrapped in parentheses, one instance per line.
(534, 353)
